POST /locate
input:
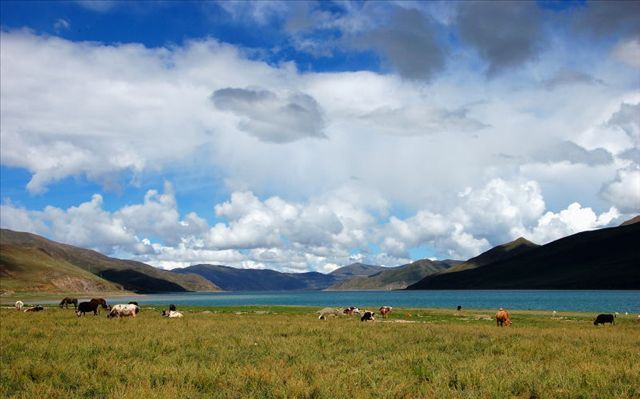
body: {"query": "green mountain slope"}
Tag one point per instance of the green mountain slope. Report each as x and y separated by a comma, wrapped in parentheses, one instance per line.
(600, 259)
(394, 278)
(27, 270)
(501, 252)
(232, 279)
(355, 270)
(25, 258)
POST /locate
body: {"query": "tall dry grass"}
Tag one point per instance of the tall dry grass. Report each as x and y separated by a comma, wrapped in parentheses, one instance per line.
(289, 353)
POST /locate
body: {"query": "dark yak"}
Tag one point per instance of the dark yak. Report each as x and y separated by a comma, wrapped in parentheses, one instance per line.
(85, 307)
(604, 318)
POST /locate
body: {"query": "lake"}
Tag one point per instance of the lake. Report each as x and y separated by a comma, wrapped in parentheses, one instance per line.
(585, 301)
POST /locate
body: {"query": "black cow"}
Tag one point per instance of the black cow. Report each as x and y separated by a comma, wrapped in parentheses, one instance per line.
(367, 316)
(604, 318)
(85, 307)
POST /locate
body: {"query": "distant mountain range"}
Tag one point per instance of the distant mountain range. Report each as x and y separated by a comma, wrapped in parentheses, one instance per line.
(32, 263)
(599, 259)
(353, 277)
(232, 279)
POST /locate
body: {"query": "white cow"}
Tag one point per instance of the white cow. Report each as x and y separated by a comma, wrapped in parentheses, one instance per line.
(328, 312)
(123, 310)
(19, 305)
(174, 314)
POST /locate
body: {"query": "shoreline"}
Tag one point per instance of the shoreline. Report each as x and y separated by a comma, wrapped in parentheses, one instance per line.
(399, 313)
(609, 302)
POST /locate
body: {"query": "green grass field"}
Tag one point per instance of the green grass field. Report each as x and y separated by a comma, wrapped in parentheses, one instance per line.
(286, 352)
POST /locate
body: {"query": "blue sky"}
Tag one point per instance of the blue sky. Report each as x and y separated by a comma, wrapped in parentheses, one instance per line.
(308, 135)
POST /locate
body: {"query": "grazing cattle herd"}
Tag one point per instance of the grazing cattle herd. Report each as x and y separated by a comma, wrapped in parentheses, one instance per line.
(131, 309)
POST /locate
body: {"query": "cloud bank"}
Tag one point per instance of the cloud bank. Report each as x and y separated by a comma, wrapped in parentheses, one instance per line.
(320, 234)
(320, 167)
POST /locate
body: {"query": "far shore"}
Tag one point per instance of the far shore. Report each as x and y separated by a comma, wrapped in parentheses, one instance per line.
(10, 298)
(6, 299)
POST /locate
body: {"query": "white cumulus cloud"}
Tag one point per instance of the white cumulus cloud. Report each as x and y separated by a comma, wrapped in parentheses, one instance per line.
(624, 191)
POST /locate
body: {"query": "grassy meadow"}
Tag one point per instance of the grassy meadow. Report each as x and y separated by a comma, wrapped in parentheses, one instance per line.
(286, 352)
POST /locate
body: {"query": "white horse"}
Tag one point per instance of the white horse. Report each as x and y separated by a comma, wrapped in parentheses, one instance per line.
(19, 305)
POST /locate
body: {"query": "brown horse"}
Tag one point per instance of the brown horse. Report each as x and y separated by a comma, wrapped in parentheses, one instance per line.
(69, 301)
(99, 302)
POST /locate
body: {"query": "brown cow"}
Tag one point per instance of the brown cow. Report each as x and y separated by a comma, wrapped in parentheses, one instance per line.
(385, 310)
(503, 318)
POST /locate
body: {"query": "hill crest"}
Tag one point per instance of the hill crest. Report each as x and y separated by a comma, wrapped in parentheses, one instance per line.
(33, 263)
(598, 259)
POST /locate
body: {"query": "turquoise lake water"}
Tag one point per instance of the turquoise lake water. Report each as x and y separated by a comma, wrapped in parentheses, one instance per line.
(587, 301)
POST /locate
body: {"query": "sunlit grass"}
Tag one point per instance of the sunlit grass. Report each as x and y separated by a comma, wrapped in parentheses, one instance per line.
(286, 352)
